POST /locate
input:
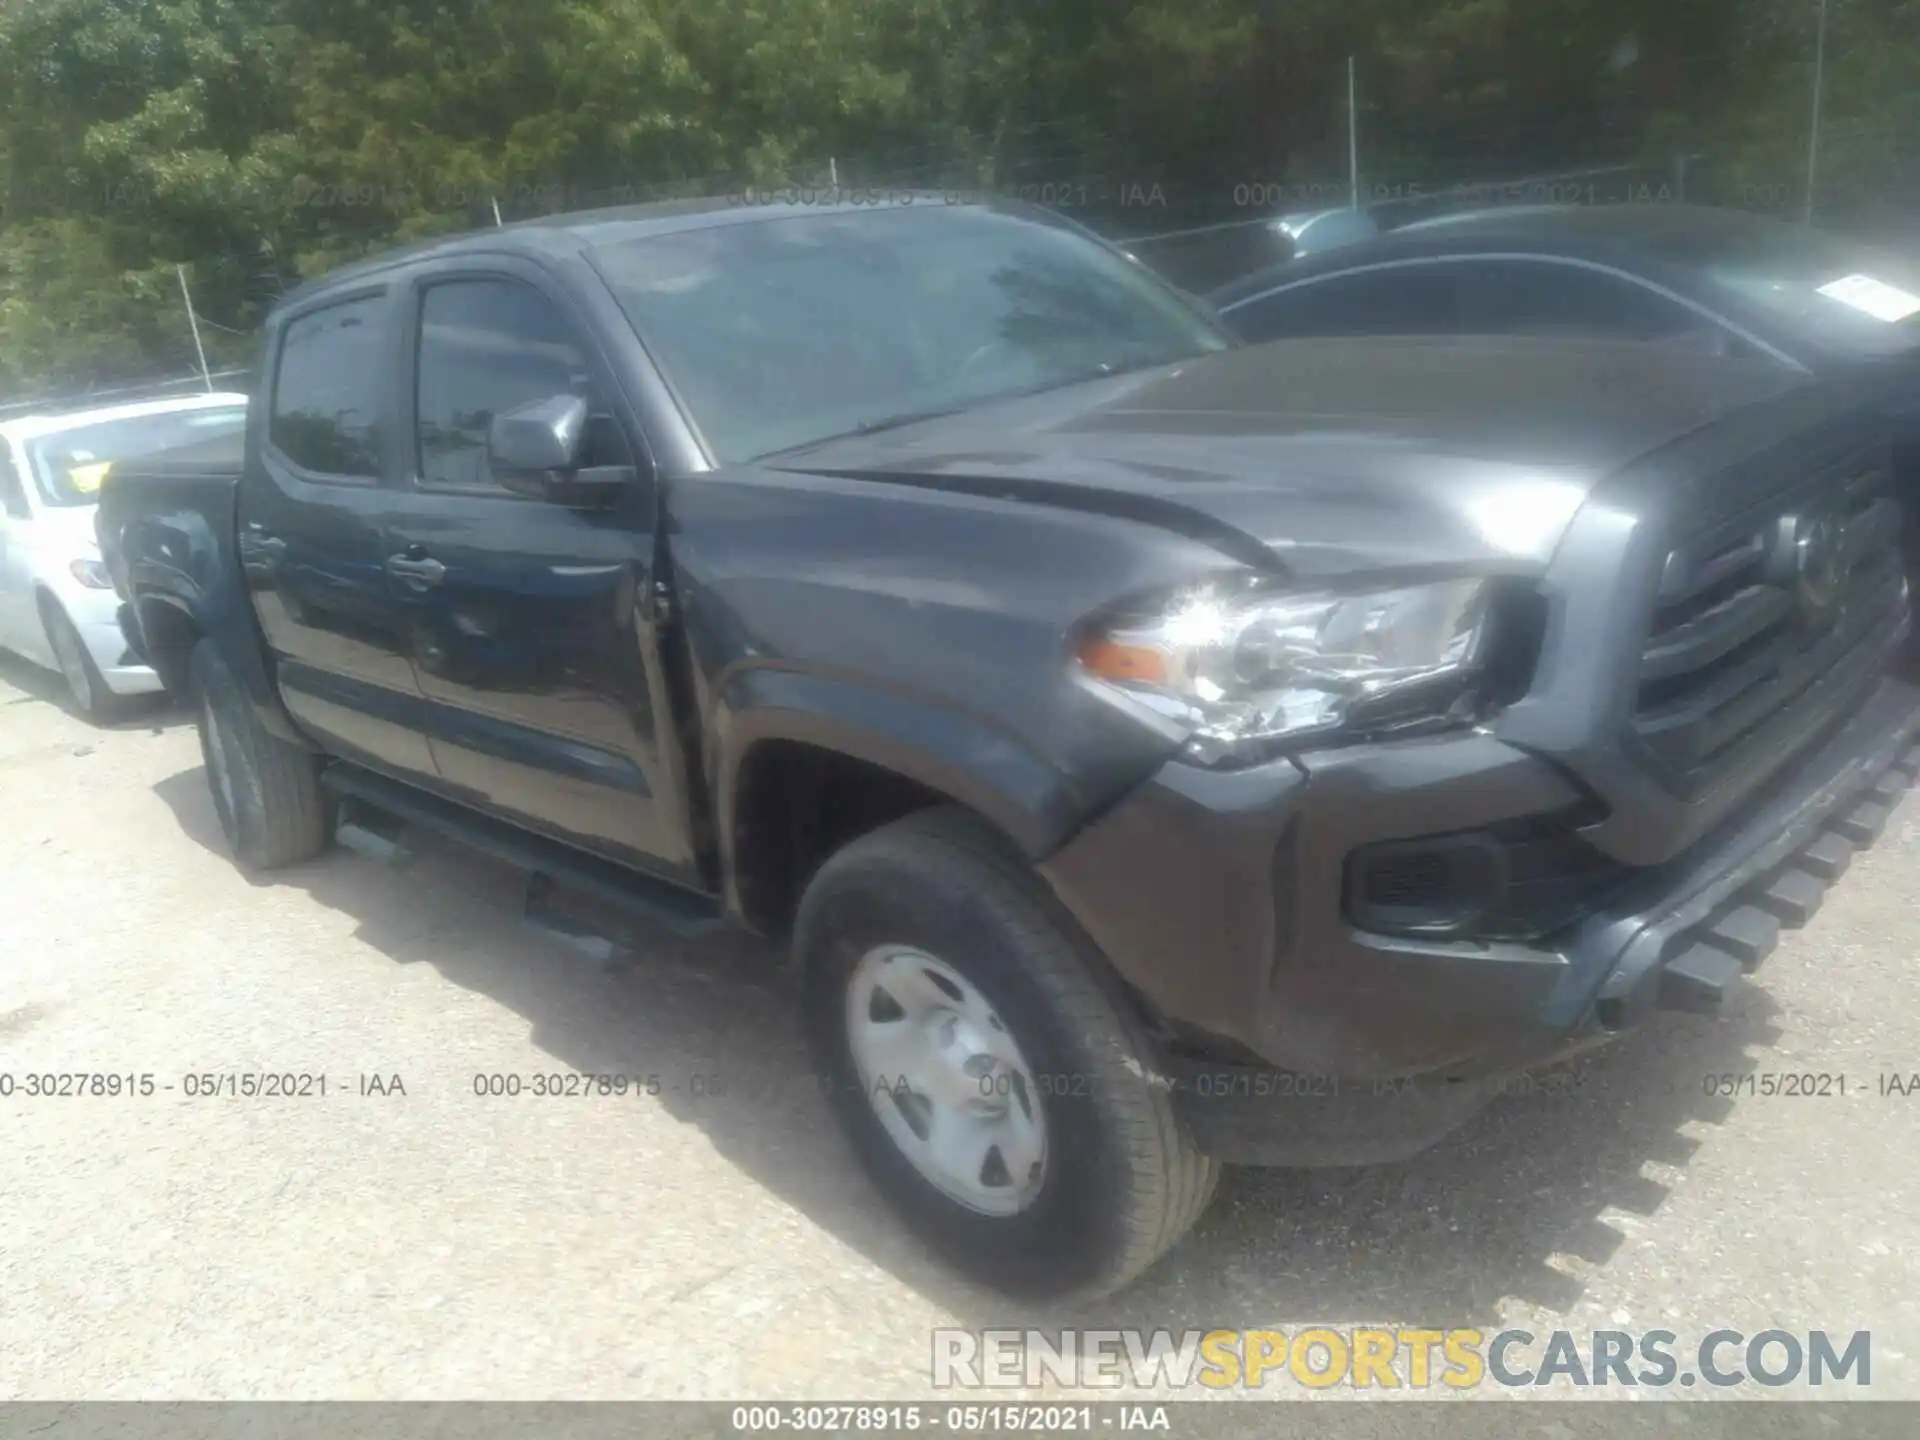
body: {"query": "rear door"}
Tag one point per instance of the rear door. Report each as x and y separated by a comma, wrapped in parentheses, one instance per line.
(311, 520)
(530, 622)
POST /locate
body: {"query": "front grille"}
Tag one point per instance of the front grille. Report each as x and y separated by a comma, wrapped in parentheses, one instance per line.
(1782, 603)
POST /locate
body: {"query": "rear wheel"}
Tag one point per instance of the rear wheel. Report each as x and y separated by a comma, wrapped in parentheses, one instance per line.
(85, 686)
(993, 1082)
(266, 790)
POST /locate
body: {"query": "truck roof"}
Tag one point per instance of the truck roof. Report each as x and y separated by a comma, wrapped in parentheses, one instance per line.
(569, 232)
(31, 427)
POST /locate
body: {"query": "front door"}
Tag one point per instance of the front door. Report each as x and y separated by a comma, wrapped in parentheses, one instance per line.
(17, 612)
(528, 620)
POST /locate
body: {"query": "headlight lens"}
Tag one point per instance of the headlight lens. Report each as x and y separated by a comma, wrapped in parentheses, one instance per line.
(1243, 666)
(92, 574)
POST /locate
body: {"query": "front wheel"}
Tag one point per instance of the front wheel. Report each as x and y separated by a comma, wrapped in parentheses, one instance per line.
(86, 687)
(989, 1076)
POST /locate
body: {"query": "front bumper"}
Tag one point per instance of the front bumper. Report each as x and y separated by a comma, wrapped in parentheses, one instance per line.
(1218, 897)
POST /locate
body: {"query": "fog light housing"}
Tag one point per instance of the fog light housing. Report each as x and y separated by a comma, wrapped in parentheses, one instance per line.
(1438, 886)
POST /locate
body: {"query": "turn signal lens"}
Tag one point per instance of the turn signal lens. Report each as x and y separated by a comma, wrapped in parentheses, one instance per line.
(1123, 664)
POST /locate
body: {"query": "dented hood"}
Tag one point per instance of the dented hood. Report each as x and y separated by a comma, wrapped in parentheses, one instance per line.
(1325, 456)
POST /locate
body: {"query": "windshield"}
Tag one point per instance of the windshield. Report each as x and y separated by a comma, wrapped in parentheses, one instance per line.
(784, 332)
(69, 465)
(1841, 296)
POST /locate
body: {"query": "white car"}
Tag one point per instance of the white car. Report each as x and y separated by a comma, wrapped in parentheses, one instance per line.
(57, 604)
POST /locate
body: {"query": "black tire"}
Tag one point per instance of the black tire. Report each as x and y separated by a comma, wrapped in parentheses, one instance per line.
(1123, 1180)
(266, 790)
(86, 687)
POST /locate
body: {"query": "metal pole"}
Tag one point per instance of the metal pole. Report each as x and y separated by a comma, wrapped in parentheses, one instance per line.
(496, 209)
(1813, 133)
(193, 320)
(1353, 141)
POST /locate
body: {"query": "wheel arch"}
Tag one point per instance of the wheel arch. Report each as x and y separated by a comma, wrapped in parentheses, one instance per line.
(168, 632)
(806, 762)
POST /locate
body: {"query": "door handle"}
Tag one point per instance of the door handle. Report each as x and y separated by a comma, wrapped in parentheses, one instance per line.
(260, 551)
(416, 569)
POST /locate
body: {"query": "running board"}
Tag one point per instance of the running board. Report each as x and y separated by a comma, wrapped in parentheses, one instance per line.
(556, 914)
(556, 871)
(374, 834)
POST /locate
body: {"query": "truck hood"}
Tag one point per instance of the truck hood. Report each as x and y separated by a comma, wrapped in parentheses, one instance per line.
(1329, 456)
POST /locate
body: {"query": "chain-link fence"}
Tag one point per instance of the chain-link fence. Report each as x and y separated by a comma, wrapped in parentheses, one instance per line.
(1202, 221)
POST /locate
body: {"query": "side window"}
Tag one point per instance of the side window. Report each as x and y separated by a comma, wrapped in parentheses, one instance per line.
(1522, 297)
(486, 347)
(13, 495)
(1410, 300)
(326, 391)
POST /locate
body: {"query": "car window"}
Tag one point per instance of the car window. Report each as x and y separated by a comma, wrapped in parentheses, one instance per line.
(326, 391)
(487, 347)
(1548, 300)
(70, 465)
(781, 332)
(1407, 300)
(1848, 299)
(12, 496)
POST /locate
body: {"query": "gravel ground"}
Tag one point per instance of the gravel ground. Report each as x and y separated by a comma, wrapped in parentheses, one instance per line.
(435, 1244)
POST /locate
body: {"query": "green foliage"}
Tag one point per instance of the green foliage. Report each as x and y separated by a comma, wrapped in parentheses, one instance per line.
(257, 142)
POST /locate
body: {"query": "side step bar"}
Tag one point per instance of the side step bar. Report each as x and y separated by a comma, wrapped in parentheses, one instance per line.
(373, 833)
(372, 803)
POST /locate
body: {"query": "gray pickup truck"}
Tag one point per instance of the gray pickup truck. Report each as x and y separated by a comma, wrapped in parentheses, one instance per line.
(1158, 751)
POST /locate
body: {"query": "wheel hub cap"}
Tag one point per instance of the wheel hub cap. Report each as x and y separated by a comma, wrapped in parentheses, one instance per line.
(946, 1080)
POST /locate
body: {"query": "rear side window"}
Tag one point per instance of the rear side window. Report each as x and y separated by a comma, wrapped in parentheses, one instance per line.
(487, 347)
(1532, 297)
(326, 391)
(1414, 301)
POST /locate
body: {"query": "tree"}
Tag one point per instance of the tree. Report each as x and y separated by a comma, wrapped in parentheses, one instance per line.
(258, 142)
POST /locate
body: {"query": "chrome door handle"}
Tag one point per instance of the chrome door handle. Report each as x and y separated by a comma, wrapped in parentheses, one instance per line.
(417, 570)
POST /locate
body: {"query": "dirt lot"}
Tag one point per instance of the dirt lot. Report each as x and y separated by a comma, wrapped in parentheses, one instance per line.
(434, 1243)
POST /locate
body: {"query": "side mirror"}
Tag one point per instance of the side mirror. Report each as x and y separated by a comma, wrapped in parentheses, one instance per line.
(535, 450)
(532, 445)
